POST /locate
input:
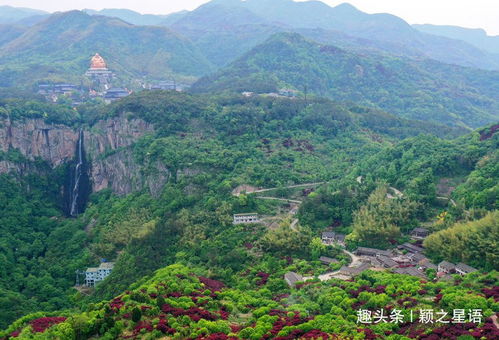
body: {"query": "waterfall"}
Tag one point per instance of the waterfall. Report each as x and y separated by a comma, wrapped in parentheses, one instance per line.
(77, 176)
(77, 185)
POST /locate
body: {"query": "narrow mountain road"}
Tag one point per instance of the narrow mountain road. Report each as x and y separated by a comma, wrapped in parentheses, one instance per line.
(356, 262)
(279, 199)
(287, 187)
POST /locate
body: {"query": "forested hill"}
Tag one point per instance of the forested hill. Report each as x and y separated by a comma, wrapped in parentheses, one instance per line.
(60, 47)
(202, 147)
(423, 90)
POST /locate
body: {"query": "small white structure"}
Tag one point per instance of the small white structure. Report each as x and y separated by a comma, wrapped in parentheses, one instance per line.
(246, 218)
(95, 275)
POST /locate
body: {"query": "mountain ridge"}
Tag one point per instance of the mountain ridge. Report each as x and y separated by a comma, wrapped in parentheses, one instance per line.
(290, 59)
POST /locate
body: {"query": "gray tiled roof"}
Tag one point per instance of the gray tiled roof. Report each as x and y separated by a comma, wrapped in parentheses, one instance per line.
(372, 251)
(447, 265)
(329, 234)
(326, 259)
(465, 268)
(292, 277)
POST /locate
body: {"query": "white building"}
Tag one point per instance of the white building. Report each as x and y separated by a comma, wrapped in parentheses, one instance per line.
(95, 275)
(246, 218)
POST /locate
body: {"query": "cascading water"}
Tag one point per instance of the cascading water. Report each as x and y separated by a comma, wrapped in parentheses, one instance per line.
(77, 176)
(77, 186)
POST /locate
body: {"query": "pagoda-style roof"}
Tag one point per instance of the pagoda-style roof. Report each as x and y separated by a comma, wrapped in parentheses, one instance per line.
(97, 62)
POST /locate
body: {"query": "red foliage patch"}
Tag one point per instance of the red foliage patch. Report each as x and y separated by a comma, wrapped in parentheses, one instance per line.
(235, 328)
(41, 324)
(284, 321)
(487, 134)
(491, 292)
(163, 327)
(378, 290)
(116, 304)
(279, 297)
(211, 284)
(194, 313)
(264, 277)
(143, 325)
(175, 294)
(368, 333)
(216, 336)
(407, 302)
(15, 334)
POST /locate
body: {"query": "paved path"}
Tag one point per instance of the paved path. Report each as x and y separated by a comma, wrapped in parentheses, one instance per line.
(448, 199)
(356, 262)
(278, 199)
(288, 187)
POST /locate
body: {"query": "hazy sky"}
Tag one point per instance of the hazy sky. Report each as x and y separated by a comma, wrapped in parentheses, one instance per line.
(466, 13)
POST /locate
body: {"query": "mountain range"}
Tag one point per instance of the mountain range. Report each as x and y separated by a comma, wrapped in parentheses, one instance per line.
(363, 57)
(389, 33)
(476, 37)
(253, 21)
(424, 90)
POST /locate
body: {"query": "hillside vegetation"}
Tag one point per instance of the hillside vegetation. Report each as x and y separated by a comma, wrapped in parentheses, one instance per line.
(211, 145)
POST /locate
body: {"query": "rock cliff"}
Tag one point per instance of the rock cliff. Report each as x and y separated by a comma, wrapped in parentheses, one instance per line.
(107, 146)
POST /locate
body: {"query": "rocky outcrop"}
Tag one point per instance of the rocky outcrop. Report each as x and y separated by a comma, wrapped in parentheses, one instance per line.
(107, 146)
(33, 138)
(122, 174)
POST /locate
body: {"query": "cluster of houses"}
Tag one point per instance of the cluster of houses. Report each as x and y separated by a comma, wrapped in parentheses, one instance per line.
(102, 81)
(407, 258)
(282, 93)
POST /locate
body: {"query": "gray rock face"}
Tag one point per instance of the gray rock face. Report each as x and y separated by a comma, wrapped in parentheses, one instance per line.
(33, 138)
(107, 146)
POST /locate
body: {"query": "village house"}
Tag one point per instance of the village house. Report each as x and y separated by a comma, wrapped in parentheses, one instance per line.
(288, 93)
(330, 238)
(410, 248)
(446, 267)
(410, 271)
(115, 94)
(362, 251)
(291, 278)
(386, 261)
(354, 271)
(327, 260)
(166, 85)
(97, 274)
(425, 263)
(246, 218)
(420, 233)
(463, 269)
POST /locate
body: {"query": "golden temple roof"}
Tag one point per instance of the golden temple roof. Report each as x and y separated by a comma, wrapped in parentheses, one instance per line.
(97, 62)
